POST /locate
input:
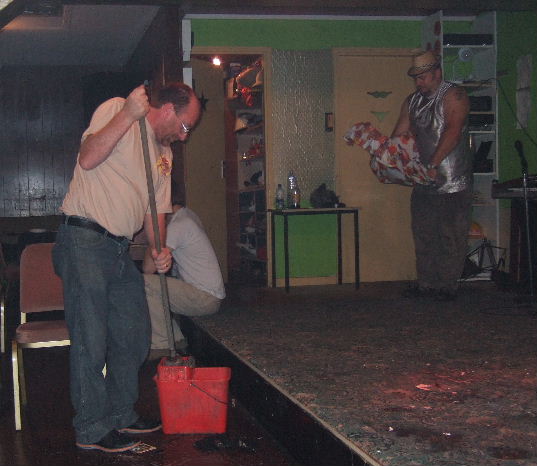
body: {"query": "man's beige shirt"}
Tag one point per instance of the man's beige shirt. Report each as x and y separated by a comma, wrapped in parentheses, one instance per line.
(114, 194)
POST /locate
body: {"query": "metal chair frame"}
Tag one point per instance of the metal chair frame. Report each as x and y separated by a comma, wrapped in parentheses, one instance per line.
(19, 382)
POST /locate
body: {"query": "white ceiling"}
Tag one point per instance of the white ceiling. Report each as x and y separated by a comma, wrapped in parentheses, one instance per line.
(104, 35)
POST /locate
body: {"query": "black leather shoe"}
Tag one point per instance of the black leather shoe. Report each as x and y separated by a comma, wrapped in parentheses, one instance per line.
(112, 442)
(142, 426)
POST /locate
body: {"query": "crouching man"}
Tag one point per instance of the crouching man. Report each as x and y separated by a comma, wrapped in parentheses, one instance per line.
(196, 287)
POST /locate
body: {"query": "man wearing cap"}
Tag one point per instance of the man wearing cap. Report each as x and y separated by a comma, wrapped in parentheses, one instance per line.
(436, 114)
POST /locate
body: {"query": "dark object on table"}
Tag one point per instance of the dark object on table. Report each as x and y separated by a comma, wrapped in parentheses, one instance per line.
(322, 197)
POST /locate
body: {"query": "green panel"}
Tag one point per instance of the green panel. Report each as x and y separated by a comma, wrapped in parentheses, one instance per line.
(517, 36)
(305, 34)
(457, 27)
(312, 246)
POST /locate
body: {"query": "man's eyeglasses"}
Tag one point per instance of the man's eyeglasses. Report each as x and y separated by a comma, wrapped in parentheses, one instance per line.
(186, 129)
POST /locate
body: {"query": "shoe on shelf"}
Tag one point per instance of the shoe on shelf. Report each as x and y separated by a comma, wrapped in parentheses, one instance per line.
(416, 291)
(445, 296)
(142, 426)
(112, 442)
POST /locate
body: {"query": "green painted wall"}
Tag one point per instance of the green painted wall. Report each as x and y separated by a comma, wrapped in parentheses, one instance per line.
(305, 34)
(517, 36)
(312, 240)
(312, 246)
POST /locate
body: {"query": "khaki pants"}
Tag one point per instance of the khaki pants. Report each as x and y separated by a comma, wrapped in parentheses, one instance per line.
(185, 299)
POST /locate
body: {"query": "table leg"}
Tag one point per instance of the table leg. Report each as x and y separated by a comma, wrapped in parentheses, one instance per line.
(356, 252)
(286, 250)
(273, 247)
(339, 268)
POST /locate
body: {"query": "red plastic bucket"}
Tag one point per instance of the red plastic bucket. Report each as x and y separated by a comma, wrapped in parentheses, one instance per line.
(193, 400)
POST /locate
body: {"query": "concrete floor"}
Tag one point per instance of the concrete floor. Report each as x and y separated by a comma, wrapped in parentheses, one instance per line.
(396, 381)
(47, 437)
(336, 376)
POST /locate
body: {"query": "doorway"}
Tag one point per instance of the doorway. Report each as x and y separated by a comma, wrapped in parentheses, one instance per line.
(225, 162)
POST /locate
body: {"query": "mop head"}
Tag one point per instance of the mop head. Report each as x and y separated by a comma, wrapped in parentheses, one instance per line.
(180, 360)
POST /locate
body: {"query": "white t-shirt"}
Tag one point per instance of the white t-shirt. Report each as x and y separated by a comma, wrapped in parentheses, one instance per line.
(195, 259)
(114, 194)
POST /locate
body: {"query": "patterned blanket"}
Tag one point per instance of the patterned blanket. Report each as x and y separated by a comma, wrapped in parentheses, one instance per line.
(393, 160)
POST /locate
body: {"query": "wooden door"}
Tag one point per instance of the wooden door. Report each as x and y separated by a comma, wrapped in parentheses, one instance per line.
(205, 188)
(370, 85)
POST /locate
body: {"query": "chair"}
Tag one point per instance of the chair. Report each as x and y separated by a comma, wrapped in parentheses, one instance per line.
(9, 274)
(41, 290)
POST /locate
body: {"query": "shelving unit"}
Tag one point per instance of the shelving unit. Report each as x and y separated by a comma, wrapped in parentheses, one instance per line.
(468, 54)
(245, 158)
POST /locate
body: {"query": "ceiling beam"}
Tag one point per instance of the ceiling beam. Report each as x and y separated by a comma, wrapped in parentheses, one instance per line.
(303, 7)
(327, 7)
(11, 11)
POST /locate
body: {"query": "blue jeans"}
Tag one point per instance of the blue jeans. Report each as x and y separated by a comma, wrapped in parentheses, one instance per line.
(108, 320)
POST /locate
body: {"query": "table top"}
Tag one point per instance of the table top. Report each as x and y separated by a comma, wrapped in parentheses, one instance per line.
(323, 210)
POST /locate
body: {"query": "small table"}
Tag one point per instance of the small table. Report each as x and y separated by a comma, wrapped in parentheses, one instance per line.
(285, 213)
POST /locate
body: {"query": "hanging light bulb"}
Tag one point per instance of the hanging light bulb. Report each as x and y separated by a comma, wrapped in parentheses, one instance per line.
(217, 61)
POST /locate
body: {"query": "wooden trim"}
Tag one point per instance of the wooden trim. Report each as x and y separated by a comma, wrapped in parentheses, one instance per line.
(11, 11)
(306, 281)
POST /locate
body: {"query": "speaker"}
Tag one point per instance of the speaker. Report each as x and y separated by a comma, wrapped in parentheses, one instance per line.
(482, 103)
(468, 39)
(478, 120)
(518, 249)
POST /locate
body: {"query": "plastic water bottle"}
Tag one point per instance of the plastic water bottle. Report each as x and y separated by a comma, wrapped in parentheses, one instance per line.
(293, 192)
(280, 197)
(295, 197)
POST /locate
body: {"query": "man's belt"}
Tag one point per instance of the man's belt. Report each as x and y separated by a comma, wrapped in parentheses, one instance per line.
(91, 225)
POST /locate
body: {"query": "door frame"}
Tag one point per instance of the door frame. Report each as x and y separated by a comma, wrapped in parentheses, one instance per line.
(266, 54)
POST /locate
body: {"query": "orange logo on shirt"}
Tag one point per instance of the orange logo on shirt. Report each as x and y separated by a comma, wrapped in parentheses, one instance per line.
(164, 166)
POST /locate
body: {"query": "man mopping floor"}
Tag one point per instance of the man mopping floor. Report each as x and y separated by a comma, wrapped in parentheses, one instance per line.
(105, 305)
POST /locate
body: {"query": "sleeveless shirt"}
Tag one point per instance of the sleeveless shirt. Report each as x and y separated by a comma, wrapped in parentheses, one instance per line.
(427, 123)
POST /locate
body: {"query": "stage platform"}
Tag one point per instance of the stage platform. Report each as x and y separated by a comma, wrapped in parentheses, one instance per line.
(349, 377)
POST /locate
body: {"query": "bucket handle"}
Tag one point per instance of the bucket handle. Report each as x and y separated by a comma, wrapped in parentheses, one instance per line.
(192, 384)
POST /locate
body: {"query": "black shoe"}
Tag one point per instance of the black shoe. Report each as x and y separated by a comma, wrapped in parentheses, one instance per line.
(142, 426)
(416, 291)
(112, 442)
(445, 296)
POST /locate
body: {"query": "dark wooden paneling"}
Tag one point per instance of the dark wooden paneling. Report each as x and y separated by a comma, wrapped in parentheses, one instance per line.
(158, 58)
(41, 124)
(42, 118)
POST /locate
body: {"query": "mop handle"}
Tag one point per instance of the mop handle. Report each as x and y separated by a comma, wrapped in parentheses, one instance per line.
(156, 234)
